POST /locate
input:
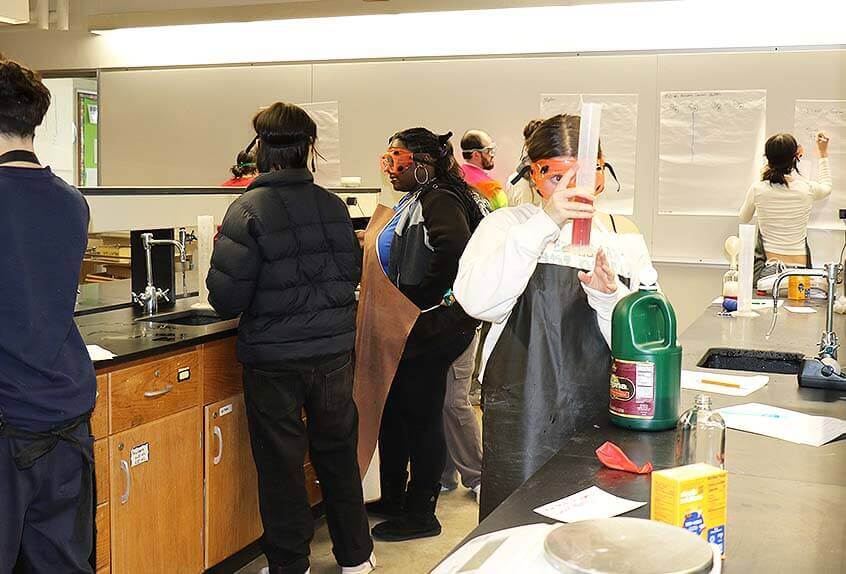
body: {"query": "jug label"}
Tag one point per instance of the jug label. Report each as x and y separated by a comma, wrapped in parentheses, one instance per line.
(633, 389)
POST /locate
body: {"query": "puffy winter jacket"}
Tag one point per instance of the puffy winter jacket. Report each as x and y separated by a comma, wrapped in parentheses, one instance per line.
(288, 261)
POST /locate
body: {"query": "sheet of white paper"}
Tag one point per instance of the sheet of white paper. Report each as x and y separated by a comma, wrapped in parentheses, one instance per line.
(327, 117)
(588, 504)
(829, 116)
(710, 150)
(698, 381)
(618, 134)
(98, 353)
(800, 310)
(783, 424)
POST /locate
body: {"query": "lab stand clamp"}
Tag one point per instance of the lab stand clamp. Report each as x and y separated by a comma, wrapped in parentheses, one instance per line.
(822, 371)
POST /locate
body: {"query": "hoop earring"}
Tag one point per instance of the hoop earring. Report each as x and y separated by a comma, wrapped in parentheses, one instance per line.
(417, 179)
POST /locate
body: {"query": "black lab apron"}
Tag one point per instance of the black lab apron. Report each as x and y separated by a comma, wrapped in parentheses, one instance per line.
(546, 380)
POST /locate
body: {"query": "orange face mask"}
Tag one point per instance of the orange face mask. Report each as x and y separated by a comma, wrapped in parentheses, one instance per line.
(397, 161)
(544, 169)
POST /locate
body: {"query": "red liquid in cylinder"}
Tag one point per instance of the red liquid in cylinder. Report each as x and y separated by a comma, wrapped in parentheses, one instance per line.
(581, 227)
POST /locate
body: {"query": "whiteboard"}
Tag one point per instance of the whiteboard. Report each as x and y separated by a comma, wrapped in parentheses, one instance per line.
(813, 116)
(618, 135)
(710, 151)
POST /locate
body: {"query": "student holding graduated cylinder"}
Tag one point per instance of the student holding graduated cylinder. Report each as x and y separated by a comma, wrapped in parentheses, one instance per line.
(563, 313)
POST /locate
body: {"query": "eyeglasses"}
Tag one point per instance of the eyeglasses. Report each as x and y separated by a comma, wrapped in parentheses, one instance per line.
(490, 150)
(397, 160)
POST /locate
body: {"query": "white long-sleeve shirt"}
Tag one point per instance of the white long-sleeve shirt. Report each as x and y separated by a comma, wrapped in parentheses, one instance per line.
(784, 210)
(499, 261)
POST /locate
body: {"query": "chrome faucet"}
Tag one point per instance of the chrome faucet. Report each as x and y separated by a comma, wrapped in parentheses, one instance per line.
(832, 272)
(149, 299)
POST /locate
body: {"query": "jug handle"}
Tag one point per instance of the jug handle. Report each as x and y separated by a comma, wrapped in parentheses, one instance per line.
(670, 338)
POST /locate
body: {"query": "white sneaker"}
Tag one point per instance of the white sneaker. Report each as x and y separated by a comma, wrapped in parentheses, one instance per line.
(363, 568)
(477, 492)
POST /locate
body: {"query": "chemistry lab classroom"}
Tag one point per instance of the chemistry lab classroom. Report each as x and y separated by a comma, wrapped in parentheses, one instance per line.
(411, 286)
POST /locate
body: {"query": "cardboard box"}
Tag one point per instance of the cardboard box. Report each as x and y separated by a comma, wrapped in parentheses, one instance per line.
(692, 497)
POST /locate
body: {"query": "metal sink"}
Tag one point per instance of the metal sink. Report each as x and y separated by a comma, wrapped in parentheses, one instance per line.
(776, 362)
(192, 317)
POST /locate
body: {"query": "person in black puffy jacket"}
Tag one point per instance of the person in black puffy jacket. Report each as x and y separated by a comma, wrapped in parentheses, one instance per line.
(288, 261)
(419, 250)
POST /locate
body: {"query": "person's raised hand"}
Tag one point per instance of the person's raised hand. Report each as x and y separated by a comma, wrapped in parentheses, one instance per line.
(602, 278)
(562, 206)
(822, 144)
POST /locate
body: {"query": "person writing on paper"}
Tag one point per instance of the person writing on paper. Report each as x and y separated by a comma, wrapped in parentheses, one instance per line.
(479, 151)
(288, 262)
(547, 357)
(783, 201)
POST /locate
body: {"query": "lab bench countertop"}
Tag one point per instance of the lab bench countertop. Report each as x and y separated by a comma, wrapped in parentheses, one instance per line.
(125, 333)
(786, 501)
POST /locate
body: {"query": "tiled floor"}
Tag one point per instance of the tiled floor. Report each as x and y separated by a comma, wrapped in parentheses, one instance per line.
(458, 513)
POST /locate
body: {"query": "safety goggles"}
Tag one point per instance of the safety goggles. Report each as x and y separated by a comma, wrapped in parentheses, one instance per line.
(397, 160)
(545, 169)
(490, 150)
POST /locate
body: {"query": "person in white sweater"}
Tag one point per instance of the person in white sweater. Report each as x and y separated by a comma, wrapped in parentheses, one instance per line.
(547, 357)
(783, 201)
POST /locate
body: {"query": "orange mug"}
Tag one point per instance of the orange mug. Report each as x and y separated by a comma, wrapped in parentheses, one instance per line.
(798, 287)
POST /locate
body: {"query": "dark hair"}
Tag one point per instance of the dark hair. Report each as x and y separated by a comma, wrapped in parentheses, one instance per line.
(24, 99)
(782, 151)
(554, 137)
(286, 135)
(439, 148)
(530, 128)
(472, 140)
(447, 171)
(245, 164)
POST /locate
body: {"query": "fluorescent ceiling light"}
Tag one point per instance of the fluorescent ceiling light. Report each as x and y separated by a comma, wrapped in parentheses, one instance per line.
(616, 27)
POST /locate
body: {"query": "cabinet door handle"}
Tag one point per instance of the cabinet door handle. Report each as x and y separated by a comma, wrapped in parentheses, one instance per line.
(159, 393)
(219, 436)
(124, 466)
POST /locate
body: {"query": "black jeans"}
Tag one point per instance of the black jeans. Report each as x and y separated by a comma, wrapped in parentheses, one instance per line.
(45, 525)
(412, 423)
(275, 396)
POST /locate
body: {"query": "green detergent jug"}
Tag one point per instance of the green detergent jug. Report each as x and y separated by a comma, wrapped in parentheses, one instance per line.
(646, 367)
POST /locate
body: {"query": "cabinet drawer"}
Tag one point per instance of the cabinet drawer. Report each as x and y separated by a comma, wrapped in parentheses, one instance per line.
(312, 485)
(101, 470)
(100, 416)
(154, 390)
(104, 539)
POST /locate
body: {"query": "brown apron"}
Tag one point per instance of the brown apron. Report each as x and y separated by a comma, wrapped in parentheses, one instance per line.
(384, 320)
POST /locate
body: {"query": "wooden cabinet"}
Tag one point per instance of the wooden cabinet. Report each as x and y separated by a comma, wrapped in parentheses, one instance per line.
(101, 470)
(103, 550)
(156, 496)
(221, 371)
(154, 389)
(100, 416)
(231, 504)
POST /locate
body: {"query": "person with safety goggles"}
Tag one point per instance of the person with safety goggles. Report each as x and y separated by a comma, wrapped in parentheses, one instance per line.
(412, 330)
(479, 151)
(546, 358)
(519, 189)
